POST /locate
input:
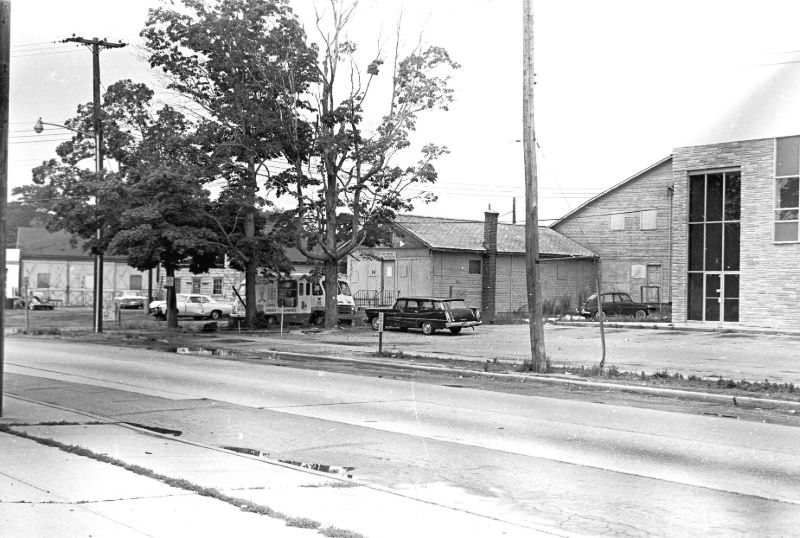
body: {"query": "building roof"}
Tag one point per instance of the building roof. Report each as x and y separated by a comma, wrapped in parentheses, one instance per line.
(41, 243)
(456, 234)
(612, 189)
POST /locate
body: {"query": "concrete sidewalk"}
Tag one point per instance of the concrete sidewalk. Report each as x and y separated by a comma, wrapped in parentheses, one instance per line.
(131, 482)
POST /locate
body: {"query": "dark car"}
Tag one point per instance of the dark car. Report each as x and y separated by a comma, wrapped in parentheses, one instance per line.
(616, 303)
(131, 301)
(427, 313)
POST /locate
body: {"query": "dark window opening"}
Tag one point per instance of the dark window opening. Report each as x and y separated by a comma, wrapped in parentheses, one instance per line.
(474, 267)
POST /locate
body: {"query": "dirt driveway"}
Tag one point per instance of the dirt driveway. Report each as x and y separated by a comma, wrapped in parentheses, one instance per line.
(753, 357)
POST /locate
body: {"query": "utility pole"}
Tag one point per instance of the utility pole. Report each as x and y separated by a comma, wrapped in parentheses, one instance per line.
(96, 45)
(5, 80)
(534, 280)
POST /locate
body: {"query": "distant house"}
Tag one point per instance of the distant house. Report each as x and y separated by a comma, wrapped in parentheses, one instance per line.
(55, 267)
(628, 227)
(480, 261)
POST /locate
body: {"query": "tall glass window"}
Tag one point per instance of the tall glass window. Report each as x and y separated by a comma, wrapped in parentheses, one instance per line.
(787, 189)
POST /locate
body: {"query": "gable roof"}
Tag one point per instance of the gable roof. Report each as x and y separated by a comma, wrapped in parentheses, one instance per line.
(35, 242)
(456, 234)
(612, 189)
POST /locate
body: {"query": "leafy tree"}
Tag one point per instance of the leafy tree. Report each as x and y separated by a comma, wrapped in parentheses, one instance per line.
(228, 59)
(343, 178)
(152, 209)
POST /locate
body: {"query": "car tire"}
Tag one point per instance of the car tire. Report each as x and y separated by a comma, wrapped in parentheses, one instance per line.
(375, 323)
(318, 320)
(271, 322)
(427, 328)
(455, 330)
(160, 316)
(215, 314)
(640, 315)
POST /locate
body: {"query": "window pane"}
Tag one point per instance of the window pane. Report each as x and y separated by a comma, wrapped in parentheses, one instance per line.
(712, 297)
(43, 280)
(696, 296)
(786, 214)
(714, 198)
(731, 310)
(732, 246)
(697, 198)
(617, 222)
(786, 192)
(695, 247)
(785, 231)
(731, 286)
(474, 267)
(732, 195)
(713, 247)
(135, 282)
(649, 219)
(788, 156)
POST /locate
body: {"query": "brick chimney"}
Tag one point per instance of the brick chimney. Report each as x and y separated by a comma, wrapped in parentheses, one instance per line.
(489, 269)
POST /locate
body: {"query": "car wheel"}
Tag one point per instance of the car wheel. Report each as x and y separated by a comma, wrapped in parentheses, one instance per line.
(215, 314)
(455, 330)
(600, 316)
(271, 322)
(375, 323)
(427, 328)
(318, 320)
(160, 316)
(640, 315)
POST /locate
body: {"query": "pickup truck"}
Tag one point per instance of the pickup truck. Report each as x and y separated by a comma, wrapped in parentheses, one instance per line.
(427, 313)
(192, 306)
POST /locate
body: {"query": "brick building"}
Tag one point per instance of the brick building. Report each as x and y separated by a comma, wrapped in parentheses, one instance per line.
(736, 240)
(714, 228)
(480, 261)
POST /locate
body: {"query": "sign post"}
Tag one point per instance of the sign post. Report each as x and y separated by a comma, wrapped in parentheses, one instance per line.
(380, 333)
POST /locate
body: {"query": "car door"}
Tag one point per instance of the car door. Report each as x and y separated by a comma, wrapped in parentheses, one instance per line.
(610, 306)
(194, 305)
(411, 314)
(427, 313)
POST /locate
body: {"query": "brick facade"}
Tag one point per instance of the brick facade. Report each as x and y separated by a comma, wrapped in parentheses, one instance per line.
(769, 288)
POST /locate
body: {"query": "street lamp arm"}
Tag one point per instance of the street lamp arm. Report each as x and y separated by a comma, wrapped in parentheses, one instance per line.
(39, 127)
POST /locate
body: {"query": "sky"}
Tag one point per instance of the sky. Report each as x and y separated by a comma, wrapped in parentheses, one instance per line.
(619, 84)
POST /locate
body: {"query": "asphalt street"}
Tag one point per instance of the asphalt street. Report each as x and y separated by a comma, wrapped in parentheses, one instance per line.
(579, 466)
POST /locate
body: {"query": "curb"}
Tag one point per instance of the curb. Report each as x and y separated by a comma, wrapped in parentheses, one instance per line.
(656, 391)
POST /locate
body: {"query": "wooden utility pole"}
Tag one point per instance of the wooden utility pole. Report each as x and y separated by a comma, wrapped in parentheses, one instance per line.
(5, 80)
(95, 45)
(538, 361)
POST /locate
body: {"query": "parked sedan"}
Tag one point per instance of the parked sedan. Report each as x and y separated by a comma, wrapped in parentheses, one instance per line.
(616, 304)
(193, 306)
(128, 300)
(427, 313)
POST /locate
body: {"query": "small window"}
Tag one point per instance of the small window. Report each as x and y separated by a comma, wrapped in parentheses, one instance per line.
(474, 267)
(316, 289)
(135, 282)
(217, 287)
(43, 280)
(196, 284)
(617, 222)
(648, 219)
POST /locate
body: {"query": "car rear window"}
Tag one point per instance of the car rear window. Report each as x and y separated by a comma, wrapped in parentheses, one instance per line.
(457, 304)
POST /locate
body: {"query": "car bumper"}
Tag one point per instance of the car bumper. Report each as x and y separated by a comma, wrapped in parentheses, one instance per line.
(454, 324)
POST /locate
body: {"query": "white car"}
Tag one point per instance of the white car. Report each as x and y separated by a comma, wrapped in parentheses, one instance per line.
(192, 305)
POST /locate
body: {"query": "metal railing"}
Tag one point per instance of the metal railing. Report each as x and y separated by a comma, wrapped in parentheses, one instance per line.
(374, 298)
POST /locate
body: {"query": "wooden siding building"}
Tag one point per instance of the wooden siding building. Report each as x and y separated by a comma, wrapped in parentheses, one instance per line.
(480, 261)
(628, 227)
(56, 267)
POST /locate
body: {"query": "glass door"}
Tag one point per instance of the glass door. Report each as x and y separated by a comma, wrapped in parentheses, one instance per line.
(714, 211)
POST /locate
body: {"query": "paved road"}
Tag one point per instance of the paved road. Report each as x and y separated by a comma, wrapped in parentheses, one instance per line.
(581, 467)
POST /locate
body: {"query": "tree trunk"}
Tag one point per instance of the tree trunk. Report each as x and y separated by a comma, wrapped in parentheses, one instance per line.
(172, 306)
(331, 292)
